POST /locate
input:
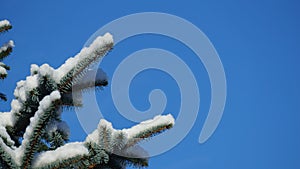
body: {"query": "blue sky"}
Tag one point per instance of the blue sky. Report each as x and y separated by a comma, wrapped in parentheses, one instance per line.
(257, 41)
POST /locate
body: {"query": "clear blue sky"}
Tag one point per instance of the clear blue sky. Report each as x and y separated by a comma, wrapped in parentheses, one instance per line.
(258, 43)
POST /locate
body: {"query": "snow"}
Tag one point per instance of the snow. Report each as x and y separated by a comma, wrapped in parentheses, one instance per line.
(23, 87)
(156, 121)
(6, 119)
(10, 44)
(3, 70)
(15, 110)
(21, 91)
(34, 68)
(100, 45)
(7, 149)
(4, 134)
(67, 151)
(45, 69)
(55, 95)
(31, 82)
(4, 23)
(15, 105)
(93, 137)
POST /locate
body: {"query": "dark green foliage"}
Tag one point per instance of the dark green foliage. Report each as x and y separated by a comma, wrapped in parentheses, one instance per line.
(4, 54)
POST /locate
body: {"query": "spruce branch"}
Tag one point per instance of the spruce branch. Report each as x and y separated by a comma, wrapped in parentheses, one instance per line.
(82, 61)
(5, 26)
(35, 119)
(4, 66)
(3, 97)
(5, 50)
(99, 148)
(63, 157)
(149, 128)
(48, 107)
(7, 154)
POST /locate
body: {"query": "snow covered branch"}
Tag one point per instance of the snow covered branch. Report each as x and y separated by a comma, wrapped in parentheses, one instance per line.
(5, 25)
(33, 135)
(5, 50)
(103, 145)
(57, 158)
(47, 107)
(67, 74)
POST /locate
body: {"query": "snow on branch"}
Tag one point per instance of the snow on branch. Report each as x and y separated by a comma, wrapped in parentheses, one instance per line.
(7, 154)
(150, 127)
(27, 91)
(6, 119)
(3, 73)
(128, 137)
(36, 112)
(4, 66)
(103, 141)
(65, 152)
(7, 46)
(6, 49)
(37, 125)
(73, 68)
(5, 25)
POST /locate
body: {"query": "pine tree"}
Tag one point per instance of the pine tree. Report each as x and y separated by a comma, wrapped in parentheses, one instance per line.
(5, 50)
(33, 134)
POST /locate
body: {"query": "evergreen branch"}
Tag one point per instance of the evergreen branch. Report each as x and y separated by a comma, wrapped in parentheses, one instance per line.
(63, 157)
(4, 66)
(48, 106)
(75, 68)
(57, 134)
(6, 155)
(5, 136)
(81, 87)
(3, 73)
(6, 49)
(3, 97)
(28, 94)
(5, 26)
(121, 144)
(92, 78)
(66, 164)
(149, 129)
(44, 148)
